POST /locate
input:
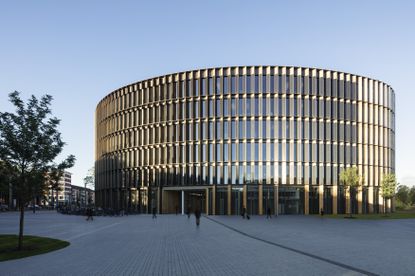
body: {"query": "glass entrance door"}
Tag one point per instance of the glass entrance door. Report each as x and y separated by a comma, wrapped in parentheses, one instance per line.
(290, 200)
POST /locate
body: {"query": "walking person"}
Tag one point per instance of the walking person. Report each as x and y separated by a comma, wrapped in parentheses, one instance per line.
(89, 214)
(243, 213)
(321, 212)
(197, 215)
(268, 213)
(188, 211)
(154, 213)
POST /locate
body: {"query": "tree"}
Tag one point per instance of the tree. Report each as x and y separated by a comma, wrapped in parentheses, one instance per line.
(351, 178)
(388, 188)
(402, 194)
(89, 182)
(29, 142)
(412, 195)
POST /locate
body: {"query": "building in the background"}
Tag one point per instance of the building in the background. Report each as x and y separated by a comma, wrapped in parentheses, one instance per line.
(63, 195)
(81, 196)
(258, 137)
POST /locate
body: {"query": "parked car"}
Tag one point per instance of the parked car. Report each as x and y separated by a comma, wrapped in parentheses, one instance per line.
(4, 207)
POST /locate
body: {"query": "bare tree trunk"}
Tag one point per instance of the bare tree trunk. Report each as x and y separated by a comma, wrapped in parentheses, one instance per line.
(20, 244)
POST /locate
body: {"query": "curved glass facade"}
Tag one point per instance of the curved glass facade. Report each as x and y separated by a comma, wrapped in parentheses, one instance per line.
(258, 137)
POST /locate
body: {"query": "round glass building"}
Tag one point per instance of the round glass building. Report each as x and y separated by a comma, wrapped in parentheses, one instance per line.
(254, 137)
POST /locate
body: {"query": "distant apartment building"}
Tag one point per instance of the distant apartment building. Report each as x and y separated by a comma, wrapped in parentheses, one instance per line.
(81, 196)
(63, 195)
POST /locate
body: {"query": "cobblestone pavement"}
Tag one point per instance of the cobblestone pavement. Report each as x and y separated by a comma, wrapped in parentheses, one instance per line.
(173, 245)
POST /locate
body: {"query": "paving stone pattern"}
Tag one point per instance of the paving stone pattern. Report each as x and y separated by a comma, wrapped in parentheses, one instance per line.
(173, 245)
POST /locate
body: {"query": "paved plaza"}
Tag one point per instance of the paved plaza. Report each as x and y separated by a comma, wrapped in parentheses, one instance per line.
(222, 245)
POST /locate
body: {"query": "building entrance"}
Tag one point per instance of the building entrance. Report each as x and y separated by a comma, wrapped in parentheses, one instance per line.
(181, 201)
(290, 200)
(195, 200)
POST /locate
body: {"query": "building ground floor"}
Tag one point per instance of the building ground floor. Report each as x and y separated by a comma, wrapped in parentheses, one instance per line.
(256, 199)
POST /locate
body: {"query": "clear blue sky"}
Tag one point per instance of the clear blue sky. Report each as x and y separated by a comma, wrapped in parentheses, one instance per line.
(79, 51)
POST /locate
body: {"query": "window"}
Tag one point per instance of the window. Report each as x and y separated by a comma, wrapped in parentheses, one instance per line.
(211, 130)
(256, 129)
(248, 84)
(211, 108)
(264, 107)
(241, 129)
(233, 84)
(256, 150)
(217, 82)
(256, 86)
(248, 107)
(271, 107)
(218, 130)
(287, 84)
(225, 153)
(225, 130)
(241, 152)
(218, 108)
(234, 159)
(295, 84)
(233, 130)
(279, 77)
(196, 87)
(218, 153)
(241, 83)
(225, 84)
(233, 107)
(210, 86)
(189, 88)
(248, 130)
(241, 107)
(256, 106)
(203, 87)
(226, 107)
(264, 83)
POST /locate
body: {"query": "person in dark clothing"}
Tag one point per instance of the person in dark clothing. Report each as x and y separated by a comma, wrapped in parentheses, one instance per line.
(243, 213)
(89, 214)
(197, 215)
(188, 211)
(268, 213)
(154, 212)
(321, 212)
(177, 209)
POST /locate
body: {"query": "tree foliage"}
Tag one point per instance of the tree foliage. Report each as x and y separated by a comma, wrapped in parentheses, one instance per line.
(350, 177)
(402, 194)
(412, 195)
(89, 179)
(388, 186)
(29, 143)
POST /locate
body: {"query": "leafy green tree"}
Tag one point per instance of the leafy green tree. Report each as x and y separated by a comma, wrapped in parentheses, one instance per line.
(402, 194)
(412, 195)
(350, 178)
(388, 188)
(29, 142)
